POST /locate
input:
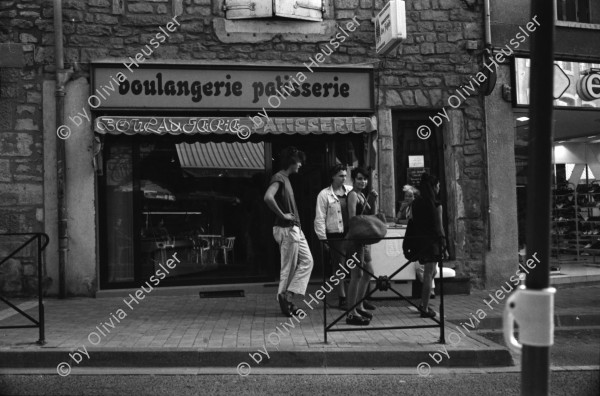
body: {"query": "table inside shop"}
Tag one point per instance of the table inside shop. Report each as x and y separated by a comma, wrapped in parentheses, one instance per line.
(214, 242)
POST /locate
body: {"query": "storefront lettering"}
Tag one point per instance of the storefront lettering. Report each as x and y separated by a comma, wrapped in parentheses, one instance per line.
(588, 87)
(285, 85)
(179, 88)
(294, 89)
(192, 125)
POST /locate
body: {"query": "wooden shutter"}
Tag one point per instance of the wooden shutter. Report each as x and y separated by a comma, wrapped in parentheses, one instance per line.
(247, 9)
(310, 10)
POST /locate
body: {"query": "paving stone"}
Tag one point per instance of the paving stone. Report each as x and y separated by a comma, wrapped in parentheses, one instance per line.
(185, 322)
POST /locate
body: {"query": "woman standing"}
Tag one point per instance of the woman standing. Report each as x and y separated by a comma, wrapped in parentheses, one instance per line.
(358, 204)
(430, 240)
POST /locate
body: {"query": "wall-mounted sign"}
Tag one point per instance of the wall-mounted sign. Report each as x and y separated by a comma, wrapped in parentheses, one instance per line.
(413, 176)
(588, 87)
(242, 126)
(232, 88)
(390, 26)
(561, 82)
(416, 161)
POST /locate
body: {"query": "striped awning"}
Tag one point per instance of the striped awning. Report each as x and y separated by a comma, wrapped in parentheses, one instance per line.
(243, 127)
(211, 155)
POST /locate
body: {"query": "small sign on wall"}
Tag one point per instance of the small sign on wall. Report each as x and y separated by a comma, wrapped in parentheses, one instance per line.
(413, 176)
(416, 161)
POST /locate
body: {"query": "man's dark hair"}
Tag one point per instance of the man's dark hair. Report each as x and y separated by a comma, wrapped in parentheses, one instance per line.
(358, 170)
(290, 156)
(335, 169)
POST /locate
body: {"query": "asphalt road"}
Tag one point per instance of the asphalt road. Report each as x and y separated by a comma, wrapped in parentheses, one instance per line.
(568, 383)
(572, 347)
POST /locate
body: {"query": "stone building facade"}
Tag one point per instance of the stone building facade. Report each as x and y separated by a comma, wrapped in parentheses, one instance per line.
(442, 52)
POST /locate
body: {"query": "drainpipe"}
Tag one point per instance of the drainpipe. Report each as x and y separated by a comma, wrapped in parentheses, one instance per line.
(489, 51)
(62, 76)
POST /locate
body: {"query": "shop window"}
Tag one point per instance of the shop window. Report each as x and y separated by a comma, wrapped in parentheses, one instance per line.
(567, 67)
(200, 200)
(581, 11)
(584, 176)
(566, 100)
(570, 98)
(349, 153)
(310, 10)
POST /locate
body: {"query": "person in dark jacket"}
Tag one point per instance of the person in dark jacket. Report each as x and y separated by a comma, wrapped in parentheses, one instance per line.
(425, 239)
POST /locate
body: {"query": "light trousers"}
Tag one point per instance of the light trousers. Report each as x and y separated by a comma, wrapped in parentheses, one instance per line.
(296, 259)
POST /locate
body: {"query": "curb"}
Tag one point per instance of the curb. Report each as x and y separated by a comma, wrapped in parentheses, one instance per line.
(169, 357)
(564, 320)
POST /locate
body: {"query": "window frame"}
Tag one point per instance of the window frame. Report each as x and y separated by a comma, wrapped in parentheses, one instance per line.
(574, 24)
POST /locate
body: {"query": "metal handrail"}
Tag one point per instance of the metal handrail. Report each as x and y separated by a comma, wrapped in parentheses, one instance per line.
(40, 322)
(382, 283)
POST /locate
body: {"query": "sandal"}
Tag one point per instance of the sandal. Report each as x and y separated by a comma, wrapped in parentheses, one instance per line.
(356, 320)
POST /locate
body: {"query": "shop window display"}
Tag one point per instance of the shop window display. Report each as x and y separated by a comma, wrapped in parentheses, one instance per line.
(201, 200)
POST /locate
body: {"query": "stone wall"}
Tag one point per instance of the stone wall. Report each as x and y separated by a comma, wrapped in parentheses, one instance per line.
(21, 165)
(422, 74)
(431, 65)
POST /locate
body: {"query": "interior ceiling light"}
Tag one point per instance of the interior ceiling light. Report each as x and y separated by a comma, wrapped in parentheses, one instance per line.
(523, 119)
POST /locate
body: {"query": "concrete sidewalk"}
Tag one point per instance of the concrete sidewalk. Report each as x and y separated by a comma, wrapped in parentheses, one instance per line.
(186, 331)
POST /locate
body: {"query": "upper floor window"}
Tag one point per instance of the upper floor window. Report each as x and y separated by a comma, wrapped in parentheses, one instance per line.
(582, 11)
(310, 10)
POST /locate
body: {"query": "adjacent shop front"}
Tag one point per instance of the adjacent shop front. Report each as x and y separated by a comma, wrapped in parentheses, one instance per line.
(186, 152)
(576, 190)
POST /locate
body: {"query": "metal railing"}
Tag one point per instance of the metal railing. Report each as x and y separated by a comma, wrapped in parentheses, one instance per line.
(39, 323)
(382, 283)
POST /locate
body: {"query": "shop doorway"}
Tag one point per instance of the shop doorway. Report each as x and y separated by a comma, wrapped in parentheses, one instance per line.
(415, 155)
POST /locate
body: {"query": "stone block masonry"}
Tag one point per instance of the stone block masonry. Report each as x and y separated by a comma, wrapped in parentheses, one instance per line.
(427, 67)
(21, 172)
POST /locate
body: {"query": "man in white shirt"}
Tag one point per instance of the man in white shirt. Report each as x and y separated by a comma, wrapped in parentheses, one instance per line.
(331, 220)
